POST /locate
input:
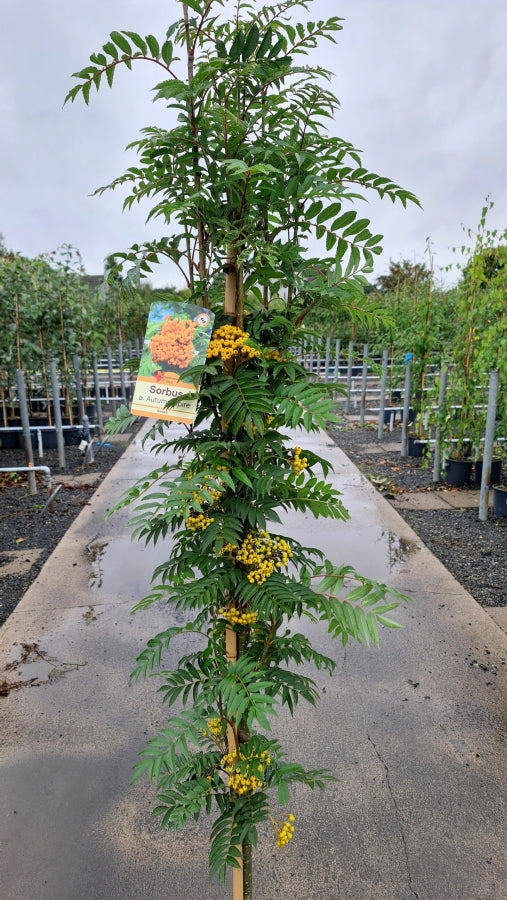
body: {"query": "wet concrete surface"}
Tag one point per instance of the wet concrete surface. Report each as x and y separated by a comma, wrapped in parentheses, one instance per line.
(415, 732)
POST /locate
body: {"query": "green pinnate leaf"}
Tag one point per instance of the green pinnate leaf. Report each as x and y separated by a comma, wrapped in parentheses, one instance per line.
(237, 46)
(111, 50)
(166, 52)
(153, 45)
(138, 41)
(251, 42)
(121, 41)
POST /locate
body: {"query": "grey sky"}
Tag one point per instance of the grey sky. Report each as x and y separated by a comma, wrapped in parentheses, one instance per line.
(422, 84)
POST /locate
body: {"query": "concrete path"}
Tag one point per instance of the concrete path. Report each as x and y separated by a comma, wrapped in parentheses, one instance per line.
(415, 732)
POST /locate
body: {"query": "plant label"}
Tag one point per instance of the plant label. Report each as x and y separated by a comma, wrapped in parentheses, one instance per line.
(177, 336)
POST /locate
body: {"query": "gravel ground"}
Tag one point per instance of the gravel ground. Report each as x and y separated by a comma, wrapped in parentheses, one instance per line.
(28, 533)
(474, 552)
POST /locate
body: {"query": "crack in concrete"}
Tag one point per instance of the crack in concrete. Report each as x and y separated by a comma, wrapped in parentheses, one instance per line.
(398, 817)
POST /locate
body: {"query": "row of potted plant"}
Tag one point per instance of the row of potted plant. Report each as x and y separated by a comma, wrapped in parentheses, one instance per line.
(51, 310)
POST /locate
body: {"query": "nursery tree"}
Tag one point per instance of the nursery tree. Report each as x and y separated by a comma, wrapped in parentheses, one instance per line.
(403, 276)
(480, 339)
(248, 182)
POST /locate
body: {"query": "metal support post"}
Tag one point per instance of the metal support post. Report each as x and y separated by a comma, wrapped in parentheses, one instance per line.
(488, 446)
(327, 360)
(349, 376)
(337, 360)
(437, 459)
(406, 409)
(364, 378)
(98, 398)
(57, 413)
(382, 400)
(23, 411)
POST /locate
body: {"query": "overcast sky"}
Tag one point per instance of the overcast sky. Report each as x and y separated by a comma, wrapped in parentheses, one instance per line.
(422, 85)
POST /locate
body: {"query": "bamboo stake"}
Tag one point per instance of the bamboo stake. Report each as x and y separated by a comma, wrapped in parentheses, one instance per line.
(195, 149)
(231, 638)
(231, 652)
(230, 300)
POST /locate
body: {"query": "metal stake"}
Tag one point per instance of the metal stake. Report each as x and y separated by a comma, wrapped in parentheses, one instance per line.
(488, 446)
(57, 413)
(437, 461)
(382, 400)
(406, 409)
(98, 399)
(349, 377)
(364, 377)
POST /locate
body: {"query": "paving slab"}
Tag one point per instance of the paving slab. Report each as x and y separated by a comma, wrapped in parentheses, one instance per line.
(415, 732)
(422, 500)
(465, 499)
(86, 478)
(499, 615)
(118, 438)
(19, 561)
(438, 500)
(378, 449)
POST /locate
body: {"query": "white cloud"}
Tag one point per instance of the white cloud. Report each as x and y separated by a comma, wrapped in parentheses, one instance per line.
(421, 85)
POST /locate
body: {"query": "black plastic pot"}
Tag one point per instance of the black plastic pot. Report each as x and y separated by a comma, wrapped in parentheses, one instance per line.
(500, 500)
(458, 472)
(417, 447)
(9, 440)
(49, 440)
(72, 436)
(496, 471)
(33, 439)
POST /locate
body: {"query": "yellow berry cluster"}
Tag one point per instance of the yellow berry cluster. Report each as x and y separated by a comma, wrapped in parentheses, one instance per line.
(206, 478)
(261, 553)
(227, 342)
(214, 727)
(235, 617)
(230, 759)
(241, 778)
(215, 495)
(267, 419)
(275, 355)
(198, 522)
(284, 831)
(228, 548)
(242, 784)
(298, 462)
